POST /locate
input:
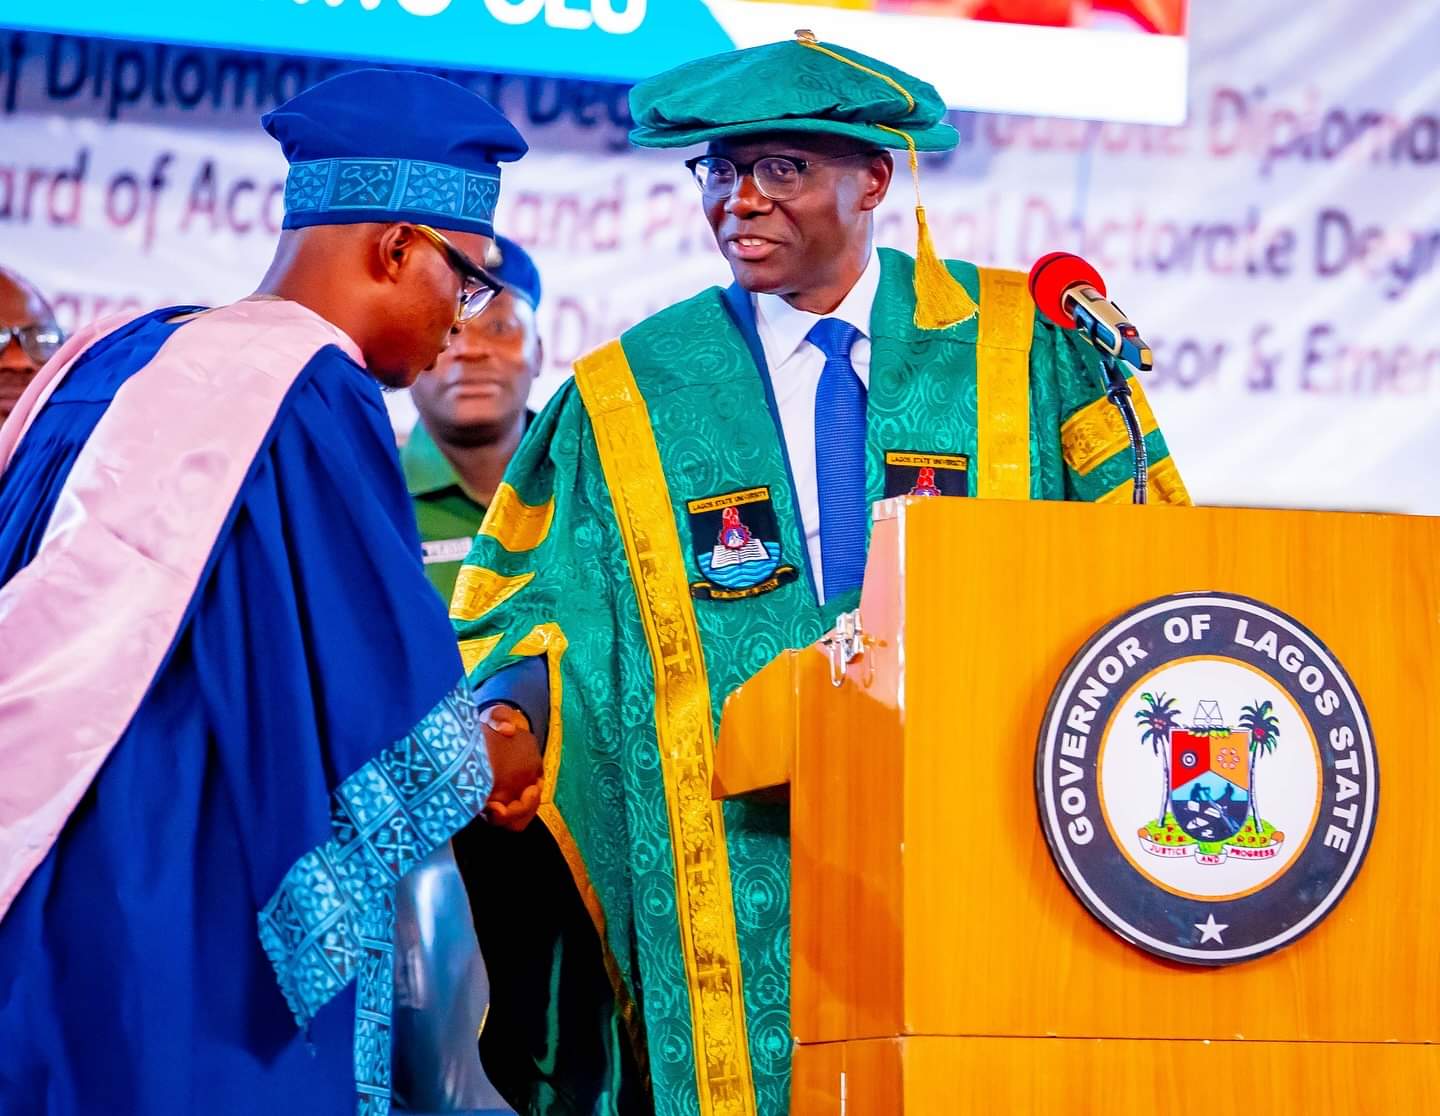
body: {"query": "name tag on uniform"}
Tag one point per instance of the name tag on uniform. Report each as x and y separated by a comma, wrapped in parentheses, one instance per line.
(926, 474)
(445, 550)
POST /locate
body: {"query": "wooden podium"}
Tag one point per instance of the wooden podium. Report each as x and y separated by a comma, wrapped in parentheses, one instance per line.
(941, 963)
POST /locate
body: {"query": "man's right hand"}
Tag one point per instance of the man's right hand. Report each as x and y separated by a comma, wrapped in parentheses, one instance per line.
(516, 764)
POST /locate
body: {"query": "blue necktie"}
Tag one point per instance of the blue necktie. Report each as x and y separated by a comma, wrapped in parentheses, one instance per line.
(840, 457)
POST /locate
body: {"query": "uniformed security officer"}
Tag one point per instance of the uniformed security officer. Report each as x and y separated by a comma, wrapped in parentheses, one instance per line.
(472, 416)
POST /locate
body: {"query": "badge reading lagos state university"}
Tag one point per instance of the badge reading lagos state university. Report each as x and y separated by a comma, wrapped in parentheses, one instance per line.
(1206, 778)
(926, 474)
(736, 545)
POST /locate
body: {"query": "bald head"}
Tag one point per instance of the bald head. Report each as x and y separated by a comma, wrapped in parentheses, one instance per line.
(27, 327)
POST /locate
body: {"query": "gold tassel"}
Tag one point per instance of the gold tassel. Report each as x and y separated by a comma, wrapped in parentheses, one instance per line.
(940, 300)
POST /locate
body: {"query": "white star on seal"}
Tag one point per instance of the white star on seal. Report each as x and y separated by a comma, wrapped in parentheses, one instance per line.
(1210, 930)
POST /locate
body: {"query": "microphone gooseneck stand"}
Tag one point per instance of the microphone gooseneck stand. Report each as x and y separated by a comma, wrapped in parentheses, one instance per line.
(1117, 390)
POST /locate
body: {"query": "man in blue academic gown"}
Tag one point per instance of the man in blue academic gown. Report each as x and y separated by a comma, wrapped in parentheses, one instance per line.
(232, 713)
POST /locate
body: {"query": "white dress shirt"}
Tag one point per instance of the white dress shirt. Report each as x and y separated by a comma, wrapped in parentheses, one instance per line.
(795, 367)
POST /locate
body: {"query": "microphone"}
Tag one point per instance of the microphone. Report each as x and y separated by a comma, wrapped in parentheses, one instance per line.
(1071, 294)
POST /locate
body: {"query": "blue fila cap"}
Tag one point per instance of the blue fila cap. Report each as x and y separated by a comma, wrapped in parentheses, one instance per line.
(392, 145)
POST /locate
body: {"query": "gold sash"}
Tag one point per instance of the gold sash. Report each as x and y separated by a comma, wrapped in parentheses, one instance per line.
(1002, 375)
(684, 730)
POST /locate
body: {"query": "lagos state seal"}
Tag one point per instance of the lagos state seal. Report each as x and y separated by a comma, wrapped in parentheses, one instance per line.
(1206, 778)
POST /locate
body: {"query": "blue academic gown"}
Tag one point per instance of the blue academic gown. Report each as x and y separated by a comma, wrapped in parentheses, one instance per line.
(133, 976)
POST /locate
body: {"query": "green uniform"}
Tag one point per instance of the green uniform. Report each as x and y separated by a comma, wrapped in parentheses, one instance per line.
(597, 556)
(448, 516)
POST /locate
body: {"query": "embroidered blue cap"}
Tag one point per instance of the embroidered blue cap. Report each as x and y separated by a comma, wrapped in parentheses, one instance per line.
(392, 145)
(513, 266)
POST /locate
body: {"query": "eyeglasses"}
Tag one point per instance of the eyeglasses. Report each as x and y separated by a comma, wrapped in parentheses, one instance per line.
(778, 177)
(39, 342)
(477, 286)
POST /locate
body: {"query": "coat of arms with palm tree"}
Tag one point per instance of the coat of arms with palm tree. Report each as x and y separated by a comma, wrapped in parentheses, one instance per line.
(1208, 806)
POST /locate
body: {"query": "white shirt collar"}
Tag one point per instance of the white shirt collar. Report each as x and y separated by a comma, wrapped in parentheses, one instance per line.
(783, 328)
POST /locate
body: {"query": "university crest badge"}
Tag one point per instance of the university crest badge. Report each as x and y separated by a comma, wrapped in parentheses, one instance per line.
(926, 474)
(1206, 778)
(736, 545)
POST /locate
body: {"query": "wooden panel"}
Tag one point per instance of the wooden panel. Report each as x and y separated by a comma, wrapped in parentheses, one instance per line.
(927, 1076)
(862, 1078)
(759, 726)
(846, 858)
(1000, 595)
(844, 751)
(846, 826)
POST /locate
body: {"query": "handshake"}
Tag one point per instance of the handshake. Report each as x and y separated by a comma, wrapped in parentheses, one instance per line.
(515, 763)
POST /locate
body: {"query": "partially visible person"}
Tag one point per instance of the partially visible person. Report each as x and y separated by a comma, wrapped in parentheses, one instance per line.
(472, 408)
(232, 713)
(28, 337)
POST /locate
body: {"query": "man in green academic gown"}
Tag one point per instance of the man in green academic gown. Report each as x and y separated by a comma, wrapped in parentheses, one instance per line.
(695, 502)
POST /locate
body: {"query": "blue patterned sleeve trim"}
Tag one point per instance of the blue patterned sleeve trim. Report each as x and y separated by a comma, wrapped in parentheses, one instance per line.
(330, 920)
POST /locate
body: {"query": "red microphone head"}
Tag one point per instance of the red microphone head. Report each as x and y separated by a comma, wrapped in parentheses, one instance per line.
(1052, 276)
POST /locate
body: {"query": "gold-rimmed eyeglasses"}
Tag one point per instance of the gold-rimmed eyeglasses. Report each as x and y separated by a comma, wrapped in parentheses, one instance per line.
(477, 286)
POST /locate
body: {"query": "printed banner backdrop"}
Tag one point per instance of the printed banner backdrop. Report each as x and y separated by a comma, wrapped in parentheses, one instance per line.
(1046, 56)
(1281, 250)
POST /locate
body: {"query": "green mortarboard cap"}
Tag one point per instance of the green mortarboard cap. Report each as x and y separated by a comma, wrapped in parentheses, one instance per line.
(804, 85)
(796, 86)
